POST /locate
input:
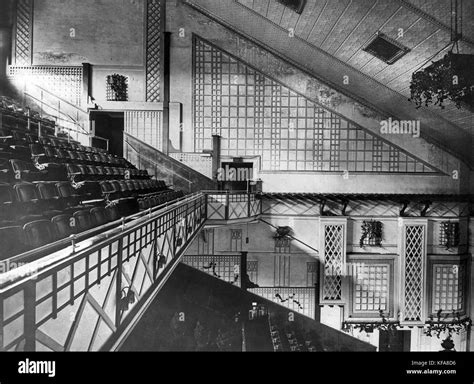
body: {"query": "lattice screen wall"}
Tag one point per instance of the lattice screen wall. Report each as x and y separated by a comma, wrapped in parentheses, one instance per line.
(255, 115)
(371, 289)
(333, 262)
(448, 288)
(23, 32)
(414, 265)
(65, 82)
(146, 126)
(153, 51)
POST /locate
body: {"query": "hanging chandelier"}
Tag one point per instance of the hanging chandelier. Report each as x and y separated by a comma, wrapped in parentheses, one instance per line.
(451, 78)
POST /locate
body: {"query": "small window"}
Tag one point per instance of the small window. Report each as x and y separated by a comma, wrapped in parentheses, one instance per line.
(295, 5)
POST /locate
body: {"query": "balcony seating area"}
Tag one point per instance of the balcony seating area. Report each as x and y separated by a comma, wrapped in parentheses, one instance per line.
(53, 187)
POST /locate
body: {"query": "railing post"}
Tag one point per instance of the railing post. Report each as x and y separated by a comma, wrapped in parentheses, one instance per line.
(28, 113)
(155, 249)
(30, 315)
(118, 286)
(248, 204)
(243, 270)
(226, 214)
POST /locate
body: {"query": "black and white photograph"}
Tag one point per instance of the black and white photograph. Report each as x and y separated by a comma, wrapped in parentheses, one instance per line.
(237, 176)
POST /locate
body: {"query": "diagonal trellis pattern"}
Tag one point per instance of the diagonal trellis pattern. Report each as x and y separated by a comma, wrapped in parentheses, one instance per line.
(153, 51)
(23, 32)
(333, 262)
(414, 255)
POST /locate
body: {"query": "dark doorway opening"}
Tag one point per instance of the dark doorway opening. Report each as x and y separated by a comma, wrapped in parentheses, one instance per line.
(109, 127)
(235, 176)
(394, 341)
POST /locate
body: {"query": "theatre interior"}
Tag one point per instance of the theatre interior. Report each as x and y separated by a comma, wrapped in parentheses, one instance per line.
(236, 175)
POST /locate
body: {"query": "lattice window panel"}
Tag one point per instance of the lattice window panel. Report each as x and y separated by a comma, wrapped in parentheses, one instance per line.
(226, 268)
(333, 262)
(449, 234)
(256, 115)
(311, 273)
(414, 272)
(65, 82)
(252, 271)
(448, 288)
(23, 33)
(371, 288)
(297, 299)
(153, 51)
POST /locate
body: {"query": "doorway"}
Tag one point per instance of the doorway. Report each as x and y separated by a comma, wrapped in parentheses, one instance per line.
(108, 127)
(234, 176)
(394, 341)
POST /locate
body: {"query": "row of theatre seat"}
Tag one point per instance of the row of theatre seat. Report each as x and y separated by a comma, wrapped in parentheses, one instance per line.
(35, 214)
(15, 116)
(52, 187)
(24, 157)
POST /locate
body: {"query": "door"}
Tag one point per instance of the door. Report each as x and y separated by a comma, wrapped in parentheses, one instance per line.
(109, 126)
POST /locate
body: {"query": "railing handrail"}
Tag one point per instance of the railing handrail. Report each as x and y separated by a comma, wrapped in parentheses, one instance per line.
(105, 229)
(8, 279)
(126, 135)
(60, 98)
(72, 120)
(229, 192)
